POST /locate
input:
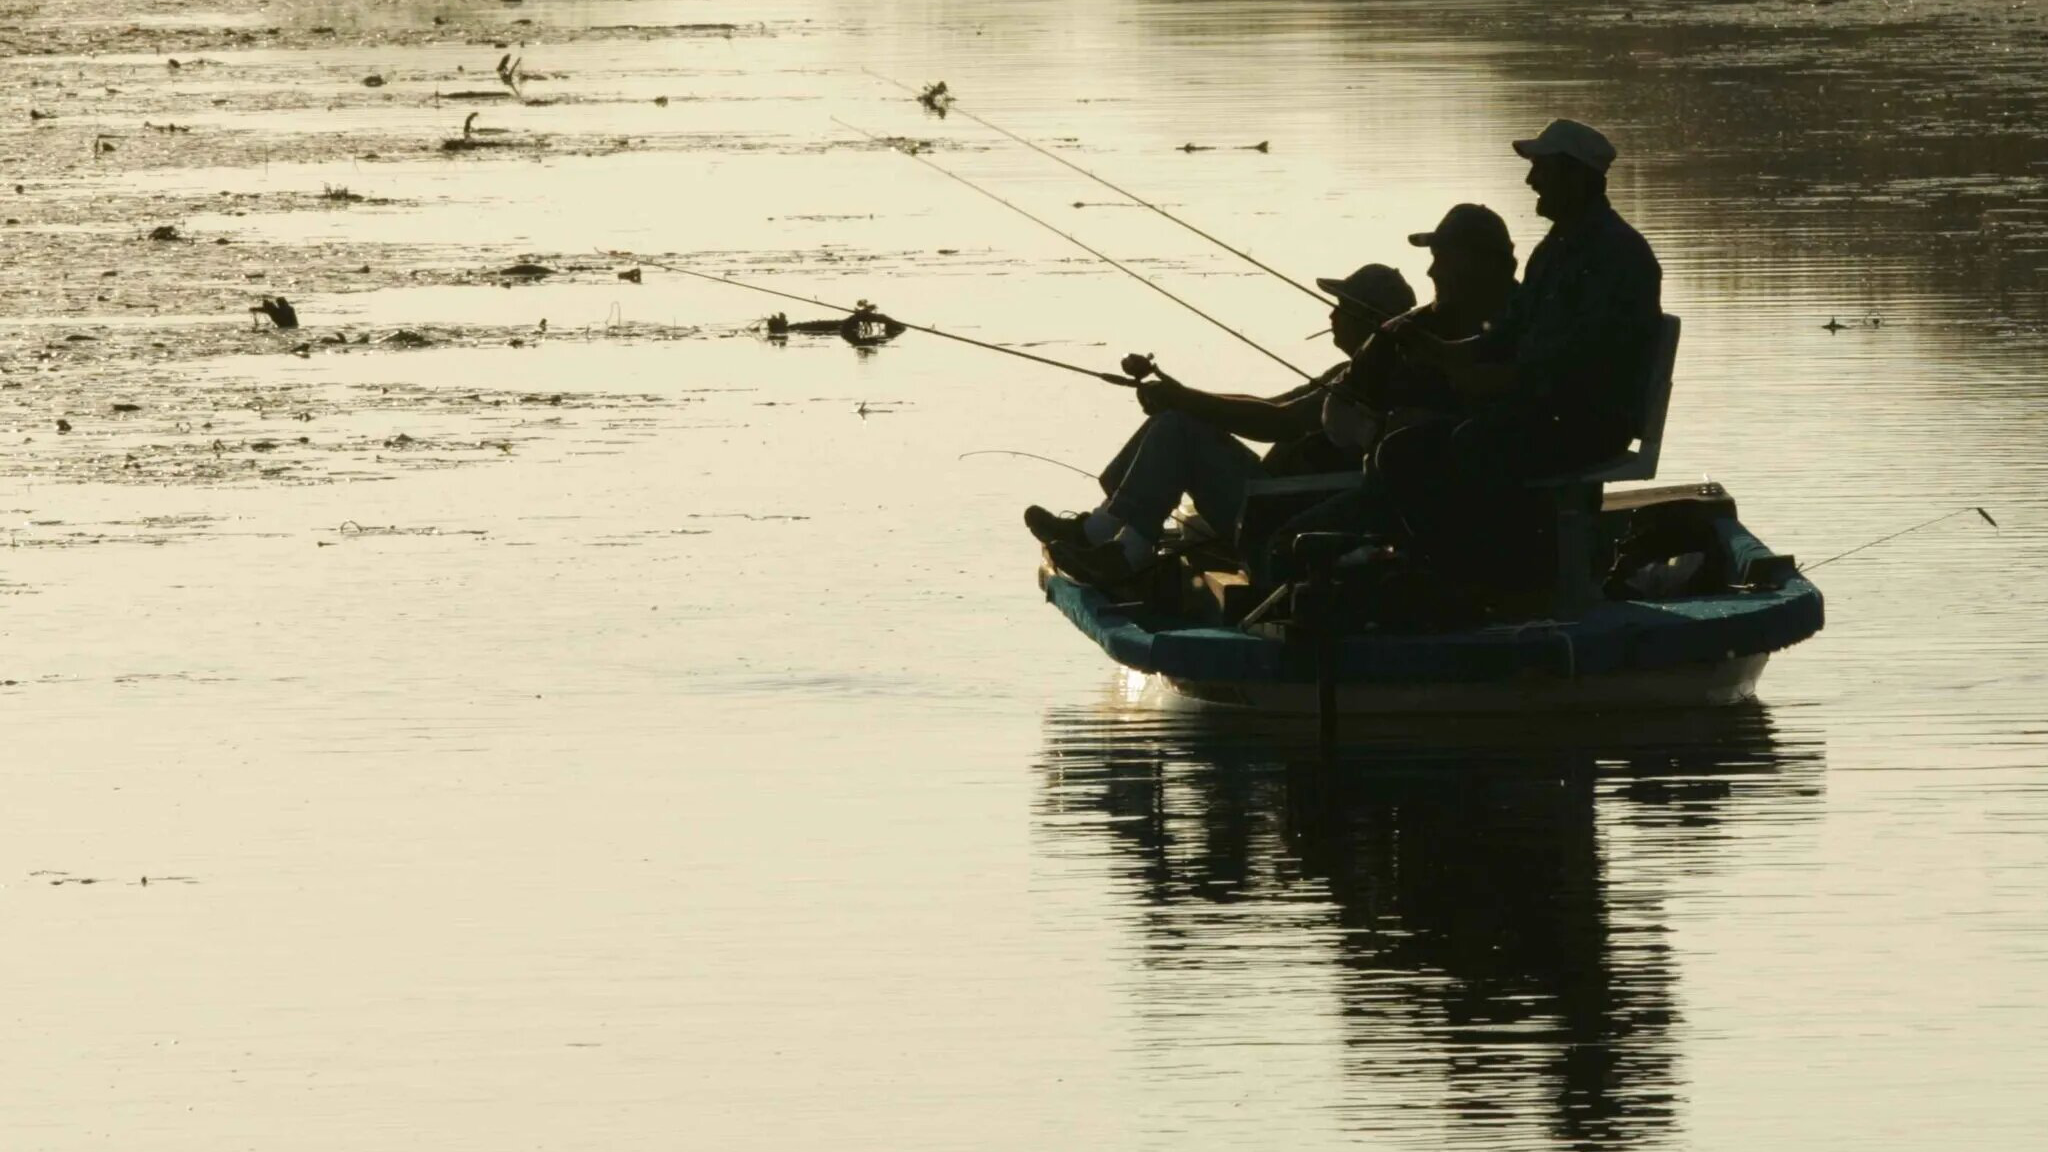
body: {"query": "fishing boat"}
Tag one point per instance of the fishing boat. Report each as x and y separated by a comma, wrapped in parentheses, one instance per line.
(1707, 646)
(1690, 622)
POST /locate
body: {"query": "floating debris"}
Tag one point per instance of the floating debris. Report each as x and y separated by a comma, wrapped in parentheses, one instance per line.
(630, 275)
(474, 137)
(508, 73)
(165, 233)
(351, 528)
(527, 271)
(373, 81)
(1261, 146)
(867, 326)
(279, 310)
(936, 99)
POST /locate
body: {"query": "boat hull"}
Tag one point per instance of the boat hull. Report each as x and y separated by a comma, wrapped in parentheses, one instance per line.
(1709, 684)
(1698, 651)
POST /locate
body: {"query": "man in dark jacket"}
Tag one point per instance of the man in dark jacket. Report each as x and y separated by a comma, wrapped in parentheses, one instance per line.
(1559, 378)
(1555, 387)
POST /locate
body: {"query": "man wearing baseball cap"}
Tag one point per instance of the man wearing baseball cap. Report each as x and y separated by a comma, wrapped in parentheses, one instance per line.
(1472, 267)
(1562, 369)
(1188, 445)
(1556, 382)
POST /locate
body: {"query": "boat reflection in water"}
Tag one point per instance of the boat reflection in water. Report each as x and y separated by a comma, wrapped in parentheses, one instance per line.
(1469, 921)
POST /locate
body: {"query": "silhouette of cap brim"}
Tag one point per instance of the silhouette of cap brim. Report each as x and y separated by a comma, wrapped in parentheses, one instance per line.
(1581, 142)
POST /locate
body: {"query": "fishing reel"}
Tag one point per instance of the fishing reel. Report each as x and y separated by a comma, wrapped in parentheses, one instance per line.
(1137, 366)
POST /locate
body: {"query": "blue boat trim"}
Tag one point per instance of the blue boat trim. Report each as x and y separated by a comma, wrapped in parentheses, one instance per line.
(1616, 636)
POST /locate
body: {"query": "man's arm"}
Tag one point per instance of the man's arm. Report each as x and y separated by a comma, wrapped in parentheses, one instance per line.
(1472, 365)
(1269, 420)
(1251, 417)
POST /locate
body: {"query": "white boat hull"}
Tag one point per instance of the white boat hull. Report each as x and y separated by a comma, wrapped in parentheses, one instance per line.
(1714, 684)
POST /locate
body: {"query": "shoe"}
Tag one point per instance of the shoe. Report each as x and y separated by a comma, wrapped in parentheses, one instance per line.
(1053, 528)
(1101, 565)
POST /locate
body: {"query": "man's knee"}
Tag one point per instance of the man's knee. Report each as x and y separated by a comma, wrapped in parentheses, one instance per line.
(1180, 426)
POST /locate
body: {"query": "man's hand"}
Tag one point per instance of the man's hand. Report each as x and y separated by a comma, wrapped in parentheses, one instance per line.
(1161, 393)
(1402, 331)
(1418, 343)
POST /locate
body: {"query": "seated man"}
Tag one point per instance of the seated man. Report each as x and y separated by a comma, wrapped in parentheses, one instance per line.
(1560, 376)
(1472, 268)
(1188, 446)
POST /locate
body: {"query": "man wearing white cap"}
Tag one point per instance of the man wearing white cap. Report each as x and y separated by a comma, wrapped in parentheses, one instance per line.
(1563, 368)
(1557, 381)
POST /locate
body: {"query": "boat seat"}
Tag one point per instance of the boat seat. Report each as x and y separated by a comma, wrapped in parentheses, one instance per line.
(1272, 502)
(1576, 498)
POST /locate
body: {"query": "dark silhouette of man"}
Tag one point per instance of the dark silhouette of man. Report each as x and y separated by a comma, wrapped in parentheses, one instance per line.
(1188, 444)
(1559, 379)
(1553, 387)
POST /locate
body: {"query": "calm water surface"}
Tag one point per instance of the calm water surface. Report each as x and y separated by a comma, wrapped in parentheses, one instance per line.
(701, 769)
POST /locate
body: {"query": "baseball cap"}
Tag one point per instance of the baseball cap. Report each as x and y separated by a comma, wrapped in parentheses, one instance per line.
(1473, 227)
(1376, 286)
(1569, 138)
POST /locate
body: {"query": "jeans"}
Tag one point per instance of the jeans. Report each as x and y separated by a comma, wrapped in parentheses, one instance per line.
(1173, 454)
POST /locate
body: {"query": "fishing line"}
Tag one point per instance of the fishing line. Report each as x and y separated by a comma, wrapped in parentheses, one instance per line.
(1107, 377)
(1133, 197)
(1096, 252)
(1027, 456)
(1894, 536)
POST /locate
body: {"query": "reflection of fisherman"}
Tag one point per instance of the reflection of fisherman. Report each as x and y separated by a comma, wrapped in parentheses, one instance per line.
(1471, 915)
(1188, 446)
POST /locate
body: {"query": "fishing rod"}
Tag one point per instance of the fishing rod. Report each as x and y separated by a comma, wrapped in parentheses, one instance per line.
(1107, 377)
(1894, 536)
(1133, 197)
(1096, 252)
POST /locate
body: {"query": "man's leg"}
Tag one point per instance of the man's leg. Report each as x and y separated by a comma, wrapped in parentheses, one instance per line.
(1095, 526)
(1180, 455)
(1120, 464)
(1174, 454)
